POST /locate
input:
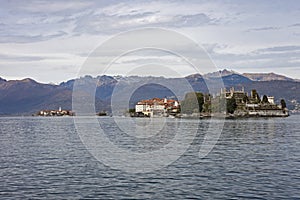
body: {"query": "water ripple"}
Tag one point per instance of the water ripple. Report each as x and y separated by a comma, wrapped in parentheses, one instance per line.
(43, 158)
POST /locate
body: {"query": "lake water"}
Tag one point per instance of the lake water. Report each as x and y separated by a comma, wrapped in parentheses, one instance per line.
(44, 158)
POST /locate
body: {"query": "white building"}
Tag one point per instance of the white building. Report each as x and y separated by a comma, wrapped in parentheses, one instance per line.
(271, 100)
(156, 106)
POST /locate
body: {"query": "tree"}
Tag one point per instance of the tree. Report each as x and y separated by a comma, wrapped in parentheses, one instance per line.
(207, 103)
(265, 99)
(255, 96)
(245, 99)
(222, 107)
(231, 105)
(193, 102)
(131, 110)
(283, 104)
(258, 99)
(200, 99)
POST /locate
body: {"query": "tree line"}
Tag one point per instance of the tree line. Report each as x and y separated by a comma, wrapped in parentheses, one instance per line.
(197, 102)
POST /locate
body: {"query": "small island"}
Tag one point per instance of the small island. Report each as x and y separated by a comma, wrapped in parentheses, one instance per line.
(59, 112)
(229, 103)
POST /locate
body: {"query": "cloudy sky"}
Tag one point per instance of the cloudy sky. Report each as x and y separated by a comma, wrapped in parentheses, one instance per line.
(50, 40)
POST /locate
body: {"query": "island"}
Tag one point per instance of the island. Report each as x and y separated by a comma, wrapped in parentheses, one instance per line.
(59, 112)
(229, 103)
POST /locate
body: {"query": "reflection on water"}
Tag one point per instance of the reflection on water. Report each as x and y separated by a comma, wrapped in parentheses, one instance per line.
(254, 158)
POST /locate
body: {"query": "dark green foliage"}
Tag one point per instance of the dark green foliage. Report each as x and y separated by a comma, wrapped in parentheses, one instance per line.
(283, 104)
(265, 99)
(218, 105)
(207, 103)
(207, 107)
(193, 102)
(258, 99)
(200, 99)
(132, 110)
(255, 96)
(246, 99)
(231, 105)
(222, 105)
(254, 93)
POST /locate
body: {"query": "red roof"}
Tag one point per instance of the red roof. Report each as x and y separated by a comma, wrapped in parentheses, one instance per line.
(158, 101)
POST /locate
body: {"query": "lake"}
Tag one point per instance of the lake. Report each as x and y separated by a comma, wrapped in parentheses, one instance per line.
(44, 158)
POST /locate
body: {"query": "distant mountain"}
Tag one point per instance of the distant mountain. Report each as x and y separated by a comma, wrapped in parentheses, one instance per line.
(229, 78)
(219, 73)
(251, 76)
(25, 97)
(2, 80)
(235, 80)
(267, 77)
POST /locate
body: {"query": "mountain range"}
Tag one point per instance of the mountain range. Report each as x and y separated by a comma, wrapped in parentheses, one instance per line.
(26, 97)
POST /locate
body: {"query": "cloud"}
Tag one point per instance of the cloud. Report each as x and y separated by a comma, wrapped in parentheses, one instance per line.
(6, 57)
(44, 6)
(280, 49)
(33, 21)
(28, 38)
(192, 20)
(295, 25)
(46, 35)
(102, 22)
(272, 58)
(269, 28)
(123, 16)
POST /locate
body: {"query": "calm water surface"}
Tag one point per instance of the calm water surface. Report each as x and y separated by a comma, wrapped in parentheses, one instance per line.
(44, 158)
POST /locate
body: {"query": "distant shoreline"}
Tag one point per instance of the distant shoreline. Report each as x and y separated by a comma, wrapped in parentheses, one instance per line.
(49, 117)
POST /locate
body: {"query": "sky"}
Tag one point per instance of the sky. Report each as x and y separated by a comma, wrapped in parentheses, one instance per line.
(50, 41)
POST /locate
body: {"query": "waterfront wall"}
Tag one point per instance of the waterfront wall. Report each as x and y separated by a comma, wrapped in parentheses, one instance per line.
(269, 113)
